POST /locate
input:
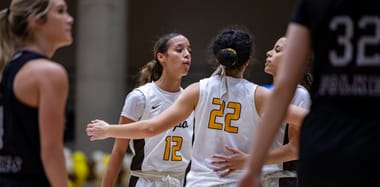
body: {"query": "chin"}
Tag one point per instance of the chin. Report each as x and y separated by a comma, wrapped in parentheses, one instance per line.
(266, 70)
(186, 71)
(66, 43)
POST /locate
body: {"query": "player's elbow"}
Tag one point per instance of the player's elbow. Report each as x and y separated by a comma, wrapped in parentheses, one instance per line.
(151, 130)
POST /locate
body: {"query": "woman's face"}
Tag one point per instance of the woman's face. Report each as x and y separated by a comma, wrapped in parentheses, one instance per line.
(274, 57)
(177, 59)
(57, 28)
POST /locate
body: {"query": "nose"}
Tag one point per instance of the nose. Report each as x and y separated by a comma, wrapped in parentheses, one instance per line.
(269, 53)
(187, 53)
(70, 19)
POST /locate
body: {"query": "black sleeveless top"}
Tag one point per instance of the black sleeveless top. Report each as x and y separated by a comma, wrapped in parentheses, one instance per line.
(341, 131)
(346, 43)
(20, 156)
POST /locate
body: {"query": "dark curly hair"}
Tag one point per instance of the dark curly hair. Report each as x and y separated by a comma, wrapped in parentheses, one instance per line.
(232, 47)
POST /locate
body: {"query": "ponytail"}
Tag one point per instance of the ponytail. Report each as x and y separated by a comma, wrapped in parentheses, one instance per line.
(307, 81)
(14, 25)
(7, 45)
(150, 72)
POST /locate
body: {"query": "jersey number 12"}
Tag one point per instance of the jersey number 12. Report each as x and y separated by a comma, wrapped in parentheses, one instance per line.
(173, 149)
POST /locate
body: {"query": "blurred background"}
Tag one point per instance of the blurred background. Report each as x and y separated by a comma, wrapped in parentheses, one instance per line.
(114, 38)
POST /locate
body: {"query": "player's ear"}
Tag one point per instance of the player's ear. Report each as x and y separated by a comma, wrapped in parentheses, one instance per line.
(161, 57)
(34, 21)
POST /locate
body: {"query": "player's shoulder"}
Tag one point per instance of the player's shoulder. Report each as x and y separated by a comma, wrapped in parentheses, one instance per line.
(47, 71)
(47, 67)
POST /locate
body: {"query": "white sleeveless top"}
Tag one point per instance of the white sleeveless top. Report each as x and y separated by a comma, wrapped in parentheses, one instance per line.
(225, 115)
(169, 151)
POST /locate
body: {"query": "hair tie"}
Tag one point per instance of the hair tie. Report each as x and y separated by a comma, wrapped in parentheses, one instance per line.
(231, 50)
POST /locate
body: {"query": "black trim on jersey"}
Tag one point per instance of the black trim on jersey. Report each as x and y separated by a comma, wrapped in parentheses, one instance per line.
(186, 172)
(289, 166)
(189, 165)
(192, 138)
(137, 159)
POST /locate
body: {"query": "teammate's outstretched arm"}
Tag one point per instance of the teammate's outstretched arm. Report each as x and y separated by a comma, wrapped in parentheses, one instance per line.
(180, 110)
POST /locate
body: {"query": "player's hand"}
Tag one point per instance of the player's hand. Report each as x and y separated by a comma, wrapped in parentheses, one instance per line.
(229, 163)
(97, 130)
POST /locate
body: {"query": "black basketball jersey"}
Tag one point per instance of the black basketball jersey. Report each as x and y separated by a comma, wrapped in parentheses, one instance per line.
(346, 44)
(20, 139)
(340, 135)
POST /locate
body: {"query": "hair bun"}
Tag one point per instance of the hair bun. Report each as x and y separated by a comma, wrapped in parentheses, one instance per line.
(227, 57)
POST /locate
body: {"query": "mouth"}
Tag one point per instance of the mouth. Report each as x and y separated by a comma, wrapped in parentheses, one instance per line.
(187, 63)
(267, 62)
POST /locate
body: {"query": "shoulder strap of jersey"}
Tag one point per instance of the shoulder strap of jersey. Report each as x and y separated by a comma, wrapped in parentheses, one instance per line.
(145, 91)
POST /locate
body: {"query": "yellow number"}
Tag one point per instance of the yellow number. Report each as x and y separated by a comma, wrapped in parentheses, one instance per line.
(219, 112)
(167, 147)
(173, 149)
(232, 116)
(212, 124)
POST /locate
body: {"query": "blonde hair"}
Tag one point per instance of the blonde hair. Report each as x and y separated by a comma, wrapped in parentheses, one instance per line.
(14, 28)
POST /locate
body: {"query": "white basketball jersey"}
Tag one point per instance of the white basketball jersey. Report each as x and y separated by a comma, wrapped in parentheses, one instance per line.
(169, 151)
(301, 98)
(225, 115)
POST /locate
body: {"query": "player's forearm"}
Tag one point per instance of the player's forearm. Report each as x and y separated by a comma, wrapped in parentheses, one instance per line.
(281, 154)
(112, 171)
(54, 164)
(136, 130)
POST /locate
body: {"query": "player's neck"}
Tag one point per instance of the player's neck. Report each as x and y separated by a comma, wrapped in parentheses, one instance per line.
(169, 85)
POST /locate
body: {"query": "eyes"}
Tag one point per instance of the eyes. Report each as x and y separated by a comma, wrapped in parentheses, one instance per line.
(61, 9)
(278, 48)
(182, 49)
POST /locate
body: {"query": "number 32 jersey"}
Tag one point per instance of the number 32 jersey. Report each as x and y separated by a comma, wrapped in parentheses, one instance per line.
(346, 43)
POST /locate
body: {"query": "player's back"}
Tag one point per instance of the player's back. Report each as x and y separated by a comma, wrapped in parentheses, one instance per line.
(20, 139)
(225, 115)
